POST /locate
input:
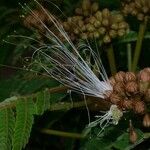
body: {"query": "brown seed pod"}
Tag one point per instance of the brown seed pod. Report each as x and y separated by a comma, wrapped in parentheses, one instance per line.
(132, 133)
(119, 77)
(115, 98)
(131, 87)
(130, 76)
(138, 106)
(146, 120)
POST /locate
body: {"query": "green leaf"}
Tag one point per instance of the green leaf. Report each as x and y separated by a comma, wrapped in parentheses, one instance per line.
(123, 143)
(7, 122)
(132, 37)
(24, 121)
(42, 102)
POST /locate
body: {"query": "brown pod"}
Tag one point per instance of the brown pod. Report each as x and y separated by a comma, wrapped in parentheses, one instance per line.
(119, 77)
(132, 133)
(138, 106)
(130, 76)
(131, 87)
(146, 120)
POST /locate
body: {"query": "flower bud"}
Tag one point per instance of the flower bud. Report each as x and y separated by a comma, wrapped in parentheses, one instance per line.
(105, 13)
(105, 22)
(138, 106)
(140, 16)
(96, 34)
(127, 104)
(120, 76)
(122, 25)
(132, 87)
(97, 24)
(130, 76)
(132, 133)
(86, 4)
(112, 33)
(114, 26)
(94, 7)
(115, 98)
(146, 120)
(118, 18)
(106, 39)
(144, 75)
(121, 32)
(119, 88)
(98, 15)
(78, 11)
(102, 30)
(112, 81)
(84, 36)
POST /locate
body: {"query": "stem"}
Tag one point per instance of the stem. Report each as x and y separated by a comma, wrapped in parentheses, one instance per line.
(129, 56)
(138, 46)
(111, 59)
(63, 134)
(67, 105)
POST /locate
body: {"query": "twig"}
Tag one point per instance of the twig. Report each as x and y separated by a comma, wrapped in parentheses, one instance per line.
(129, 55)
(111, 59)
(62, 133)
(138, 47)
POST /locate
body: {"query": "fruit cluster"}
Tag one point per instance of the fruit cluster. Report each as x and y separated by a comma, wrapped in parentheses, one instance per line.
(90, 22)
(138, 8)
(131, 91)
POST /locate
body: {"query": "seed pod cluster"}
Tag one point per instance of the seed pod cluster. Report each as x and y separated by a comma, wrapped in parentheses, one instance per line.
(90, 22)
(131, 91)
(138, 8)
